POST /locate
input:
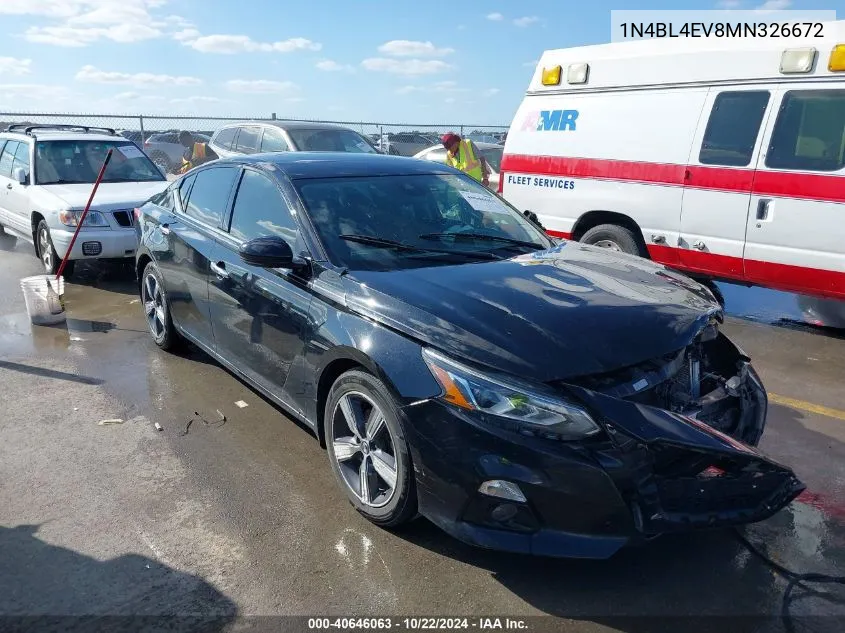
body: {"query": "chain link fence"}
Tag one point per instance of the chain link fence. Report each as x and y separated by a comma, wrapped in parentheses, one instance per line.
(404, 139)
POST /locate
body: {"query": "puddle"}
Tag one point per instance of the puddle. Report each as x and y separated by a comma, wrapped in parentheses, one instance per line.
(783, 308)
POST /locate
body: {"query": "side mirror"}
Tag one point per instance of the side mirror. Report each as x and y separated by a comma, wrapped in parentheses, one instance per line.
(267, 252)
(19, 174)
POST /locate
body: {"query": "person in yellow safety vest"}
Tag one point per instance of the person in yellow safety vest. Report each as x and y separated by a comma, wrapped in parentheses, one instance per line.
(462, 154)
(196, 153)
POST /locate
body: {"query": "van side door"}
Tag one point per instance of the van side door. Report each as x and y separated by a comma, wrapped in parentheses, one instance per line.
(718, 179)
(795, 238)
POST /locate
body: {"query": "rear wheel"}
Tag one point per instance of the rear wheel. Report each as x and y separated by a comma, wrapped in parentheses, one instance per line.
(613, 237)
(368, 451)
(157, 308)
(47, 254)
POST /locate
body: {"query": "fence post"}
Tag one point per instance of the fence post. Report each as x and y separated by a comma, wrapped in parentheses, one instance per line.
(141, 121)
(462, 131)
(273, 116)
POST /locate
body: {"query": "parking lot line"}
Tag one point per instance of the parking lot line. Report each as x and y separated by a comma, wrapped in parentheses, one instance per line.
(807, 406)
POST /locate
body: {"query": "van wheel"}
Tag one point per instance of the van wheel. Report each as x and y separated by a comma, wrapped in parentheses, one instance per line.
(613, 237)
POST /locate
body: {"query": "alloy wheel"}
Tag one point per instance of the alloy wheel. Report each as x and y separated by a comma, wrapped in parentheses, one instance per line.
(364, 449)
(153, 298)
(45, 249)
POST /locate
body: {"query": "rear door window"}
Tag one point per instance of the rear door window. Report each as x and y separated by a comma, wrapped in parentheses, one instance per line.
(209, 195)
(247, 142)
(809, 133)
(7, 158)
(273, 141)
(225, 137)
(733, 128)
(261, 210)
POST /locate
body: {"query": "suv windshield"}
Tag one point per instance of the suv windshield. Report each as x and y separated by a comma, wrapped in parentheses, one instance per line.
(318, 140)
(79, 161)
(392, 222)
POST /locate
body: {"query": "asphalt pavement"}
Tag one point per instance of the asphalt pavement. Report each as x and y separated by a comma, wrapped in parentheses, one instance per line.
(238, 518)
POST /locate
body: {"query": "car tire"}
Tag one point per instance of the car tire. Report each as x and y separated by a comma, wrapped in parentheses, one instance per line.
(156, 308)
(47, 253)
(385, 503)
(613, 237)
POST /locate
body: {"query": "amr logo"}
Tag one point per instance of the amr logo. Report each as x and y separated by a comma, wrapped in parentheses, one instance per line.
(550, 121)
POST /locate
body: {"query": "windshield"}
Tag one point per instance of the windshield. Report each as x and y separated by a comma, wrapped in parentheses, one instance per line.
(494, 157)
(414, 213)
(79, 161)
(330, 141)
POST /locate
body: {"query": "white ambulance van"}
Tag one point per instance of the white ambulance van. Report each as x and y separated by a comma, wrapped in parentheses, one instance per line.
(721, 158)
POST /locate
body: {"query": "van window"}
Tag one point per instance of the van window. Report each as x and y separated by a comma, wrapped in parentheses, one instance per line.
(733, 127)
(809, 133)
(225, 137)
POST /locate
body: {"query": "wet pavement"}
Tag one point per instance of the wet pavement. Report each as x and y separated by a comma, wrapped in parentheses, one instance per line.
(243, 517)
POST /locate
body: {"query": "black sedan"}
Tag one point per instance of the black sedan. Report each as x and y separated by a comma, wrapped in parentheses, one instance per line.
(522, 393)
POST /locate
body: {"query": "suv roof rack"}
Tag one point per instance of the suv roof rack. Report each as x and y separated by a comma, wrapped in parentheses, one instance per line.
(27, 128)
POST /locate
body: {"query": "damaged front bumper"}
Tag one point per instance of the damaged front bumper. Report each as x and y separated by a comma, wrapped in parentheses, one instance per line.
(653, 471)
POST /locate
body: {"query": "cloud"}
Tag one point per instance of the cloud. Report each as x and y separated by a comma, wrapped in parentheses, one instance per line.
(406, 90)
(491, 91)
(448, 86)
(495, 17)
(75, 37)
(775, 5)
(329, 65)
(231, 44)
(196, 99)
(37, 96)
(449, 100)
(83, 22)
(15, 66)
(526, 21)
(408, 67)
(409, 48)
(533, 63)
(126, 96)
(92, 74)
(186, 34)
(728, 4)
(260, 86)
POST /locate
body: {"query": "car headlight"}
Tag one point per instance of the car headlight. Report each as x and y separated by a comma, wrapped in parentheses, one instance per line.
(71, 218)
(522, 406)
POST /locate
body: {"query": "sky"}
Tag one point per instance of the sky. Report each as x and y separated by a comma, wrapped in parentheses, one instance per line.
(466, 62)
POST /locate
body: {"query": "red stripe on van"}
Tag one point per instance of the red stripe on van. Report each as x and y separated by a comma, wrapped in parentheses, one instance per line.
(827, 188)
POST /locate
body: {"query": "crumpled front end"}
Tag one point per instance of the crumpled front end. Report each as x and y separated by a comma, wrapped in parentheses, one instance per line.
(684, 427)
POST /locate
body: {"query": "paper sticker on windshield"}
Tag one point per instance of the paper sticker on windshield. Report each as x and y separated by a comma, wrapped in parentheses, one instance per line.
(130, 151)
(484, 202)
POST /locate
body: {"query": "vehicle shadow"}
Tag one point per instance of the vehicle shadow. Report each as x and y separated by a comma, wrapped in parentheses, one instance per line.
(118, 277)
(47, 587)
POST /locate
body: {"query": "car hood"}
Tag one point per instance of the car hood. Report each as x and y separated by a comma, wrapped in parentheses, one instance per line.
(569, 311)
(109, 194)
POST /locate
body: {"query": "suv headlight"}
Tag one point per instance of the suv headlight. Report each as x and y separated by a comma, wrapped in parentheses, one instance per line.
(521, 405)
(71, 218)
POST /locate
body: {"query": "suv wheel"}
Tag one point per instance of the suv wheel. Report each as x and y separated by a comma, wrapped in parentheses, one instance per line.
(48, 255)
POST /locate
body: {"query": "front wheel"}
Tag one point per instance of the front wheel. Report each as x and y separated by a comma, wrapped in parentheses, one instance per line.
(368, 451)
(613, 237)
(47, 253)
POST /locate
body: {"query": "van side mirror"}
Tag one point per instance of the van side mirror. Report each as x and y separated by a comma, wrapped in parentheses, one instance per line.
(267, 252)
(19, 174)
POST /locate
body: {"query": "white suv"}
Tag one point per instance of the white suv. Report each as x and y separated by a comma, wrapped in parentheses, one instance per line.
(47, 173)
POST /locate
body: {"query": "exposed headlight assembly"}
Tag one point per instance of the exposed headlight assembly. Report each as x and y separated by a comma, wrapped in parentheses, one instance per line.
(71, 218)
(526, 408)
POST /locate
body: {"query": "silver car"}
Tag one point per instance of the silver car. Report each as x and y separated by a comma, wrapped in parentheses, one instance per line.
(287, 136)
(405, 143)
(491, 152)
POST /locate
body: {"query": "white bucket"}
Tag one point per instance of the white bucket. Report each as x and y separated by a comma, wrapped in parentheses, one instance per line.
(44, 296)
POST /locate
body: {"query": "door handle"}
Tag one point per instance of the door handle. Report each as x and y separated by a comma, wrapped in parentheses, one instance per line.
(763, 208)
(9, 186)
(698, 245)
(165, 229)
(219, 269)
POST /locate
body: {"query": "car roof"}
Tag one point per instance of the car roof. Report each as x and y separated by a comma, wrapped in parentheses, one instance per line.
(56, 135)
(303, 165)
(290, 125)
